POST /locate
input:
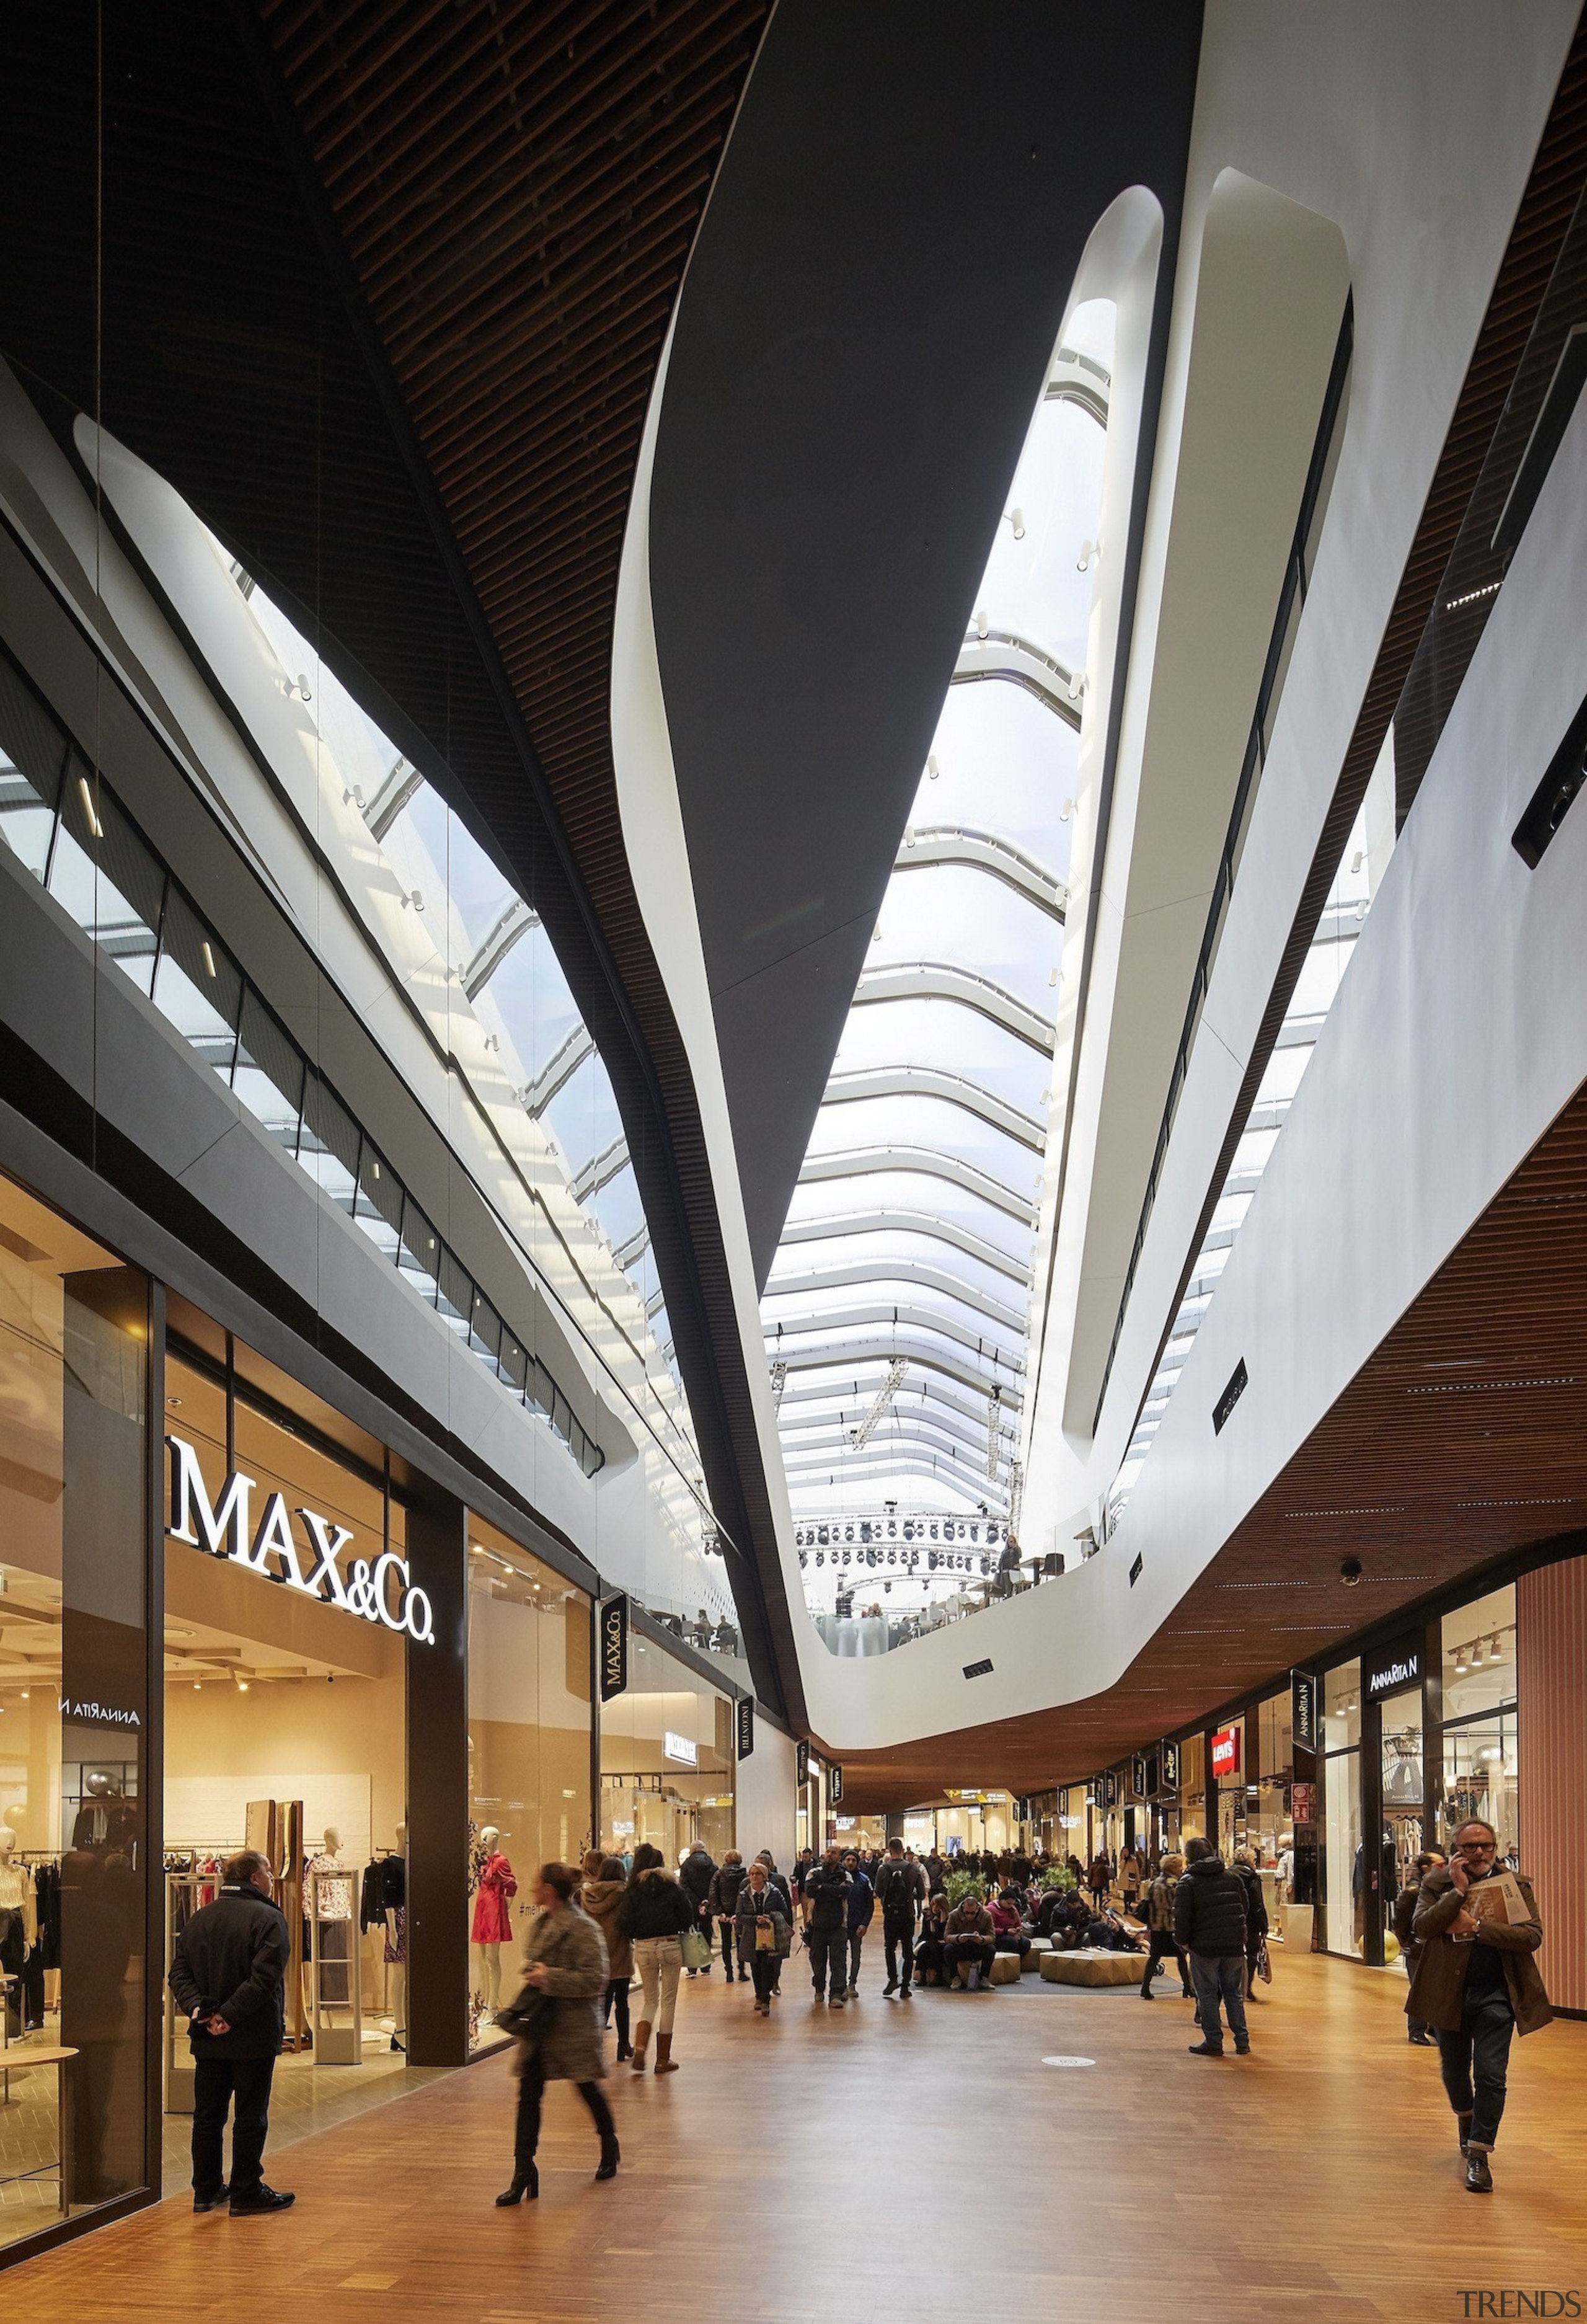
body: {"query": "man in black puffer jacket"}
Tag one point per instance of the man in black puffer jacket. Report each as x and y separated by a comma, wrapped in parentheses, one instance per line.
(695, 1876)
(722, 1903)
(227, 1973)
(1211, 1919)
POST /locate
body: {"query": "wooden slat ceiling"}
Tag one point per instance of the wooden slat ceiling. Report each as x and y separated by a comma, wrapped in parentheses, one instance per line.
(1461, 1440)
(517, 187)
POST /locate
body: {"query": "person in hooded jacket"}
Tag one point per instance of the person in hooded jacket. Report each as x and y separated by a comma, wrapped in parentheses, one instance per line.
(653, 1914)
(1210, 1921)
(600, 1898)
(695, 1876)
(1161, 1942)
(721, 1906)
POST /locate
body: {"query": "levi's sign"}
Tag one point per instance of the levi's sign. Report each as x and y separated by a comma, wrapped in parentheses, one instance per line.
(1226, 1751)
(381, 1592)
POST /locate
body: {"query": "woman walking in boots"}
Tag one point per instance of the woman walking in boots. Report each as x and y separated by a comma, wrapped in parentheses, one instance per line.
(565, 1964)
(602, 1893)
(653, 1914)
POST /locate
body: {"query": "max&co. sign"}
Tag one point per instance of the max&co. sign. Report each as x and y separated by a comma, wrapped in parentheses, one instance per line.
(613, 1646)
(382, 1592)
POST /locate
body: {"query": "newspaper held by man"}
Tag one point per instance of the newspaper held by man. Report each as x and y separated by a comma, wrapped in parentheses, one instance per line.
(1496, 1898)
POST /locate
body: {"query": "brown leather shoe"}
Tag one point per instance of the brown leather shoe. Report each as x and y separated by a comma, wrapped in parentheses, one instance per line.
(641, 2036)
(665, 2062)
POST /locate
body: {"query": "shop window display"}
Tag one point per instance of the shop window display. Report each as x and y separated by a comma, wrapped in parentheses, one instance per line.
(285, 1708)
(74, 1340)
(1481, 1767)
(667, 1760)
(529, 1751)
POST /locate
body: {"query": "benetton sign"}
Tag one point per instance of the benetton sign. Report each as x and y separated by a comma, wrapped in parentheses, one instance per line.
(746, 1726)
(381, 1592)
(613, 1646)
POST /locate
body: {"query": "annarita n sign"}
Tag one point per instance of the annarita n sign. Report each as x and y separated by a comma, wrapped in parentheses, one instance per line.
(379, 1592)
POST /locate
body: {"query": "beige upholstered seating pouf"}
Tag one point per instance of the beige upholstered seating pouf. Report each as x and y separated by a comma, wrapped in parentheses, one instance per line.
(1005, 1969)
(1039, 1946)
(1091, 1968)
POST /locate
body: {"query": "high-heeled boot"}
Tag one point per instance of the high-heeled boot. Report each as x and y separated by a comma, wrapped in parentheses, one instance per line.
(665, 2062)
(611, 2156)
(641, 2036)
(526, 2182)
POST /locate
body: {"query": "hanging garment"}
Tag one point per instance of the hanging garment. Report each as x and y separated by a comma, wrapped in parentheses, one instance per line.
(492, 1919)
(395, 1951)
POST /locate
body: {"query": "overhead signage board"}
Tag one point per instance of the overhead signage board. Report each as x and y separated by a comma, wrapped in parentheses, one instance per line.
(801, 1765)
(1389, 1668)
(1168, 1761)
(378, 1590)
(746, 1725)
(613, 1646)
(1137, 1776)
(835, 1787)
(680, 1749)
(1226, 1751)
(1303, 1710)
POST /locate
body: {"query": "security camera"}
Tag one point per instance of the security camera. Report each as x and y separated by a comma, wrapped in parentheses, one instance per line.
(1350, 1571)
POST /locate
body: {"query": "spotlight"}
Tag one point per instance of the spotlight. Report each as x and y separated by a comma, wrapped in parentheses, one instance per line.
(1017, 523)
(931, 1560)
(849, 1534)
(892, 1530)
(934, 1533)
(820, 1557)
(1350, 1571)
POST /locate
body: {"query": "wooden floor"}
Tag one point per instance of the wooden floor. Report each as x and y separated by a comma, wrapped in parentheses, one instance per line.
(899, 2161)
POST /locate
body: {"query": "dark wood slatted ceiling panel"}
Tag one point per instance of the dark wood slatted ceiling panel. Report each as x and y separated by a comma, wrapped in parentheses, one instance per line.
(1464, 1439)
(517, 189)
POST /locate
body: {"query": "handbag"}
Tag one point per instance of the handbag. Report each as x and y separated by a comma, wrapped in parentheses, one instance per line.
(1264, 1966)
(695, 1947)
(525, 2017)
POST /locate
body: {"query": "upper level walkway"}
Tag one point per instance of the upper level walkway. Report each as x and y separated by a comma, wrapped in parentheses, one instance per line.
(901, 2159)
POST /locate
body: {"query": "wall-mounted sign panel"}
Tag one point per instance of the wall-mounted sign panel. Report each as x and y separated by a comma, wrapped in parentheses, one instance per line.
(680, 1749)
(613, 1646)
(1226, 1751)
(746, 1726)
(1388, 1668)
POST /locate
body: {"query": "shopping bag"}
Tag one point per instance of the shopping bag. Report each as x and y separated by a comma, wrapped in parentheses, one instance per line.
(695, 1949)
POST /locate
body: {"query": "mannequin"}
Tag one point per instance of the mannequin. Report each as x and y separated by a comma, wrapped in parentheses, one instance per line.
(492, 1919)
(396, 1950)
(15, 1936)
(336, 1897)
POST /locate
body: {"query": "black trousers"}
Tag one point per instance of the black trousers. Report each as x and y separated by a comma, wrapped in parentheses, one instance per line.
(896, 1935)
(829, 1960)
(531, 2089)
(763, 1969)
(727, 1929)
(1160, 1946)
(219, 2083)
(617, 2000)
(967, 1953)
(1474, 2062)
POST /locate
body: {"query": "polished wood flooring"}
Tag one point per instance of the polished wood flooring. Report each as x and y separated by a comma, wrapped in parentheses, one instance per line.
(894, 2161)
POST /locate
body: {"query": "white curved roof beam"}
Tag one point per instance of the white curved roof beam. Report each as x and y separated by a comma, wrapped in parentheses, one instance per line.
(983, 850)
(931, 1081)
(560, 1071)
(972, 1447)
(628, 1254)
(885, 1313)
(884, 1220)
(924, 1279)
(601, 1171)
(393, 795)
(1082, 380)
(864, 1161)
(842, 1356)
(939, 980)
(941, 1468)
(516, 921)
(1003, 654)
(934, 1395)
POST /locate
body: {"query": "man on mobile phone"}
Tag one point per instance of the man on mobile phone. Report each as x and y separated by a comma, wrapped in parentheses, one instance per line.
(1476, 1983)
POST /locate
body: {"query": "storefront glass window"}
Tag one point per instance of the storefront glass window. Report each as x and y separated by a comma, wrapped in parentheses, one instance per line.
(74, 1716)
(1480, 1656)
(529, 1750)
(1403, 1786)
(1341, 1707)
(1480, 1771)
(285, 1712)
(1344, 1883)
(667, 1760)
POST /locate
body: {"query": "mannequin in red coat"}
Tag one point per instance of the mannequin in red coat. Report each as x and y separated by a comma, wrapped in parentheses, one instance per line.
(493, 1918)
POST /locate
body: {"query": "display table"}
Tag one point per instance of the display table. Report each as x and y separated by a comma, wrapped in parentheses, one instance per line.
(1090, 1968)
(23, 2059)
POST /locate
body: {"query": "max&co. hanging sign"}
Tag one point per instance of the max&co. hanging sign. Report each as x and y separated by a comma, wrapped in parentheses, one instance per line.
(381, 1591)
(614, 1645)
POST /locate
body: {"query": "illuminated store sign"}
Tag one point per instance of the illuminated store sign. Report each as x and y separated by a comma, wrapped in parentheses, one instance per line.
(613, 1648)
(1393, 1666)
(1226, 1751)
(381, 1592)
(679, 1748)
